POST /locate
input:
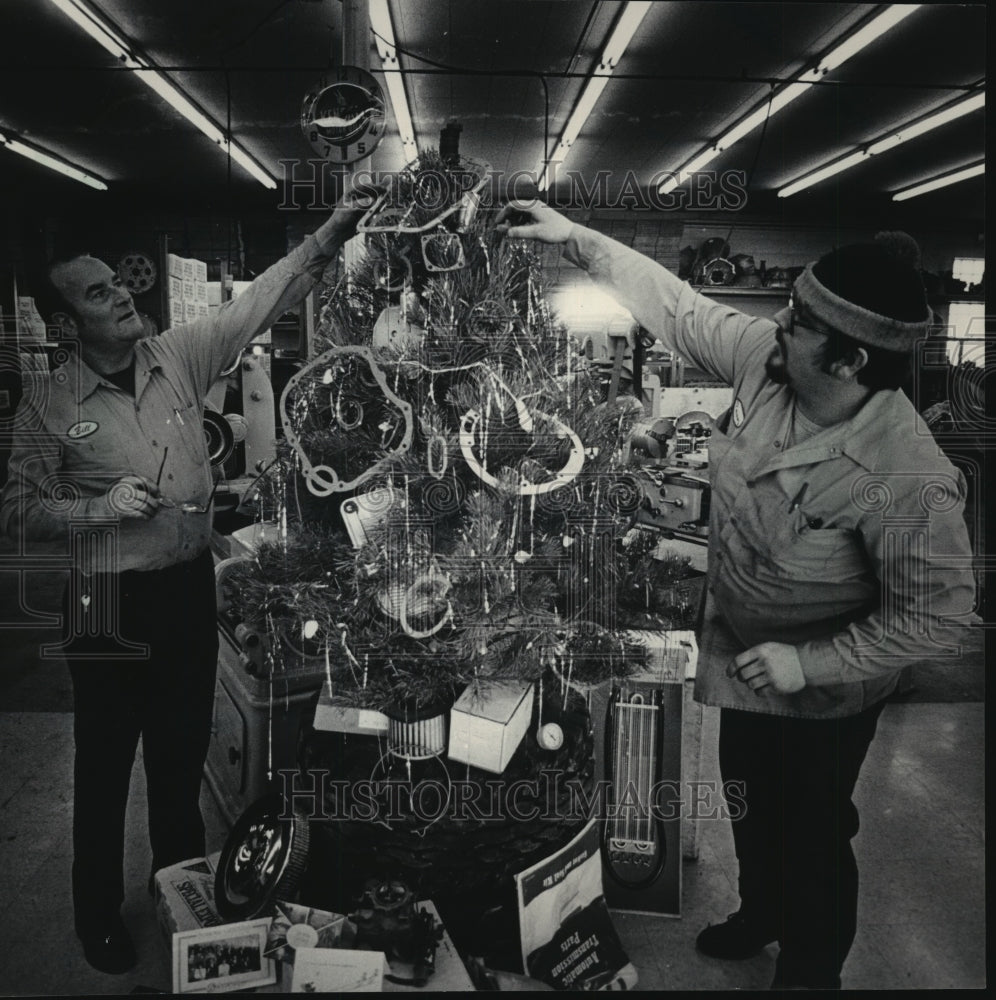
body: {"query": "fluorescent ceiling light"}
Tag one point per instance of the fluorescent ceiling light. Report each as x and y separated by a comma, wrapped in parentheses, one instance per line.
(102, 31)
(823, 173)
(939, 182)
(622, 34)
(833, 58)
(51, 161)
(933, 121)
(380, 21)
(904, 134)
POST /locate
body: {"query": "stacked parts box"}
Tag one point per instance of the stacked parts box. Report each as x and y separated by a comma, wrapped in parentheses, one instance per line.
(185, 897)
(487, 723)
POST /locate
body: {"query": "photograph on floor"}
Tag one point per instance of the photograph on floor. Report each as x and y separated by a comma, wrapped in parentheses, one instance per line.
(492, 495)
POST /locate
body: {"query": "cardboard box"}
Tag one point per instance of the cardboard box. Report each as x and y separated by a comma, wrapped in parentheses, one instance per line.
(487, 723)
(188, 290)
(188, 269)
(175, 287)
(203, 310)
(672, 656)
(189, 311)
(201, 291)
(185, 897)
(177, 313)
(174, 265)
(200, 271)
(332, 716)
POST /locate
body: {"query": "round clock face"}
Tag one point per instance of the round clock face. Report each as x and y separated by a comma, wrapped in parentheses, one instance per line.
(343, 116)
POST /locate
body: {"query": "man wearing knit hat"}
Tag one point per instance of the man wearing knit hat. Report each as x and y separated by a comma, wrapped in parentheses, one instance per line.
(836, 544)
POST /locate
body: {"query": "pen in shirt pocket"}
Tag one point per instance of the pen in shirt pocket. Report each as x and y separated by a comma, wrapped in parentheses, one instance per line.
(794, 505)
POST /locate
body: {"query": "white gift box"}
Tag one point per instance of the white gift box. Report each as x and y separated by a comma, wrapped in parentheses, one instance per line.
(487, 723)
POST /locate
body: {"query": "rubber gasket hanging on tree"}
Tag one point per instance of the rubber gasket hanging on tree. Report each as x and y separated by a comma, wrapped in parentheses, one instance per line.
(322, 480)
(263, 860)
(468, 425)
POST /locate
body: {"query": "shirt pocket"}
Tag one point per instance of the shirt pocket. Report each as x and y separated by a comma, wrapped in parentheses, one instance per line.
(831, 555)
(188, 430)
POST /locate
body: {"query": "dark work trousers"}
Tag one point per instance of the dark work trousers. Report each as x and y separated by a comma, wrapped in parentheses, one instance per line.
(167, 698)
(798, 875)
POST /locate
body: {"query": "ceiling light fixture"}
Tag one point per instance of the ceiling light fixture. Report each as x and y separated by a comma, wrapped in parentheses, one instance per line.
(380, 21)
(831, 60)
(903, 134)
(51, 161)
(622, 34)
(102, 31)
(938, 182)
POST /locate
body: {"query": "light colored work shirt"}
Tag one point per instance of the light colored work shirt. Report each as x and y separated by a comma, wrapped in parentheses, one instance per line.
(77, 433)
(850, 545)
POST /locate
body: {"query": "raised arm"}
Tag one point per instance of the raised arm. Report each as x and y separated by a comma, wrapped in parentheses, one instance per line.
(715, 338)
(210, 345)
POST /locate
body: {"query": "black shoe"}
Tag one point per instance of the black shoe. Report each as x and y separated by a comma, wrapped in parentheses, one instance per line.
(737, 939)
(110, 949)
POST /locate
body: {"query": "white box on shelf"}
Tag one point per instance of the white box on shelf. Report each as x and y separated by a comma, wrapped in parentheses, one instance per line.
(200, 271)
(188, 269)
(175, 265)
(487, 723)
(201, 291)
(188, 290)
(189, 311)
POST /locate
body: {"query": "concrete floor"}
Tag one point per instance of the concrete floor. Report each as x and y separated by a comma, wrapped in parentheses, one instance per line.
(920, 850)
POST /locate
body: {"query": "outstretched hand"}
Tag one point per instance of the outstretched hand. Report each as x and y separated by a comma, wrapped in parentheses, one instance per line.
(356, 200)
(532, 219)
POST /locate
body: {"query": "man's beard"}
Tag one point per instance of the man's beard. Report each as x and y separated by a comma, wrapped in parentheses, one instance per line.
(776, 370)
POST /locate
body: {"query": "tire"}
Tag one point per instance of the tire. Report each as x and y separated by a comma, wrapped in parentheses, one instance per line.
(263, 860)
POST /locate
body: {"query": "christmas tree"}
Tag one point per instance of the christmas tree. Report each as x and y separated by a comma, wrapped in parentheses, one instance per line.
(452, 501)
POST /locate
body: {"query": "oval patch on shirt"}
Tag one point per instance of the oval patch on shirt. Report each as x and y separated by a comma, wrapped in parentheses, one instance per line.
(738, 413)
(83, 429)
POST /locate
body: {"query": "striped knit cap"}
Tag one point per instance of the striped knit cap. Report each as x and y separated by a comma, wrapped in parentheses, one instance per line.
(870, 291)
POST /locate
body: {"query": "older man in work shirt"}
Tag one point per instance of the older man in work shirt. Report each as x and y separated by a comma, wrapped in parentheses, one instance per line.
(117, 439)
(837, 542)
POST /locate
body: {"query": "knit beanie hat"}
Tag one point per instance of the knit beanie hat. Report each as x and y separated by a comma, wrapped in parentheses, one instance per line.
(870, 291)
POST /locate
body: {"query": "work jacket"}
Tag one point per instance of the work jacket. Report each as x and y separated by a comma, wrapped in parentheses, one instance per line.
(77, 433)
(850, 546)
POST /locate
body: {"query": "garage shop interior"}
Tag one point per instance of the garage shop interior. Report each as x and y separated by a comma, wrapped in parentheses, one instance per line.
(493, 496)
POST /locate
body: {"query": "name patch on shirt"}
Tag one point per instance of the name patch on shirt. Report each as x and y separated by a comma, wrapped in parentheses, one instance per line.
(738, 413)
(83, 429)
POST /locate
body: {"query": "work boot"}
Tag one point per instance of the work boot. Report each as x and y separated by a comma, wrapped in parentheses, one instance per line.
(109, 947)
(736, 939)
